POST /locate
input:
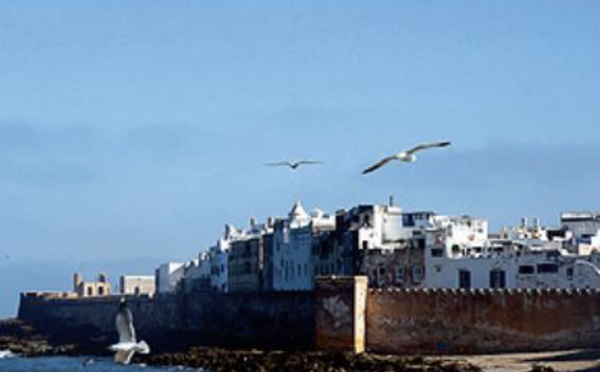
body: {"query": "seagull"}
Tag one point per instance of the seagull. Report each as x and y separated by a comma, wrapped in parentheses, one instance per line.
(127, 344)
(293, 165)
(405, 156)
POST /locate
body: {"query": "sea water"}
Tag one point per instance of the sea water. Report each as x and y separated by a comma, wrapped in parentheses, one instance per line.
(72, 364)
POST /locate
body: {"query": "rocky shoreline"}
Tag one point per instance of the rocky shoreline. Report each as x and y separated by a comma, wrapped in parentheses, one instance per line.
(219, 360)
(22, 339)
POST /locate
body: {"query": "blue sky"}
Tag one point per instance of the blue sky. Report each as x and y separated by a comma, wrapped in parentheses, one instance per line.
(135, 130)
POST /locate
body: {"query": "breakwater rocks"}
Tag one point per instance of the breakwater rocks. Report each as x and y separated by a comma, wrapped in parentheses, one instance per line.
(22, 339)
(219, 360)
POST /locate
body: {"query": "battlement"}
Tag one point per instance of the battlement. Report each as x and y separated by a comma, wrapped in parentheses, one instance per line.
(486, 291)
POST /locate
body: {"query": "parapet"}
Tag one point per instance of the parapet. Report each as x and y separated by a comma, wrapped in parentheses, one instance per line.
(49, 295)
(483, 292)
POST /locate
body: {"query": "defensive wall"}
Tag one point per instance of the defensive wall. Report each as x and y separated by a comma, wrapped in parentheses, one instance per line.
(172, 322)
(342, 314)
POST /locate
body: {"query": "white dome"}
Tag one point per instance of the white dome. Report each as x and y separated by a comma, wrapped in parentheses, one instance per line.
(297, 212)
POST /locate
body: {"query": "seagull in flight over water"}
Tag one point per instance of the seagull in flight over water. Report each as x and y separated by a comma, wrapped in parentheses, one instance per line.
(405, 156)
(127, 344)
(293, 165)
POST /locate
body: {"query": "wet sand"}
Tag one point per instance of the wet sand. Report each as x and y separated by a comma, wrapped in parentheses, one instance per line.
(568, 360)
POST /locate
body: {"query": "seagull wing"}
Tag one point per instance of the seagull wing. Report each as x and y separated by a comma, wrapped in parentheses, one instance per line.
(124, 323)
(123, 356)
(378, 165)
(428, 146)
(309, 162)
(281, 163)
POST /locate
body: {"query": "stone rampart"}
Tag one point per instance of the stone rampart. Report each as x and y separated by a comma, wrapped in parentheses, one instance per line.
(477, 321)
(341, 315)
(276, 320)
(270, 321)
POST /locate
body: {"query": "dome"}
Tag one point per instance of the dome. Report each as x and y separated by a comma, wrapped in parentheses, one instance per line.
(297, 211)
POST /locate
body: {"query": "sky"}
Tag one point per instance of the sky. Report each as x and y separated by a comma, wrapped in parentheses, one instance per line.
(131, 132)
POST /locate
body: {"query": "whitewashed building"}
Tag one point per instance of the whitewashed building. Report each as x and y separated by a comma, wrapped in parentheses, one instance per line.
(168, 276)
(515, 264)
(527, 256)
(585, 229)
(292, 247)
(137, 284)
(196, 276)
(218, 259)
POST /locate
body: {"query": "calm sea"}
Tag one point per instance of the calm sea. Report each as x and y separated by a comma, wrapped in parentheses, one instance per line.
(65, 364)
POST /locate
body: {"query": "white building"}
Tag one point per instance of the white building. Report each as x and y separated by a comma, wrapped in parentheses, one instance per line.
(582, 224)
(455, 236)
(585, 228)
(137, 284)
(292, 244)
(516, 264)
(383, 243)
(168, 276)
(218, 257)
(196, 276)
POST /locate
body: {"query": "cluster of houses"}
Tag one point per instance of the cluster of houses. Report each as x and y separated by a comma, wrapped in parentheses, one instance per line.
(393, 248)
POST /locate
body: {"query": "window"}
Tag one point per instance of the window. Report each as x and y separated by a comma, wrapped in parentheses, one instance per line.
(547, 268)
(464, 279)
(100, 291)
(497, 278)
(570, 272)
(437, 252)
(90, 291)
(367, 220)
(400, 275)
(365, 244)
(526, 269)
(417, 274)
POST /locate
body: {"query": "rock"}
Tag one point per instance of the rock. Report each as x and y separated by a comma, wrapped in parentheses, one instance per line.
(229, 360)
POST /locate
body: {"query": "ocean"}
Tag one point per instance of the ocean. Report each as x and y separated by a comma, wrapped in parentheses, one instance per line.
(72, 364)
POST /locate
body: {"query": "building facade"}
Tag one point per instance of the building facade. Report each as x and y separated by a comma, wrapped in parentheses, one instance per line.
(137, 285)
(168, 276)
(101, 287)
(292, 248)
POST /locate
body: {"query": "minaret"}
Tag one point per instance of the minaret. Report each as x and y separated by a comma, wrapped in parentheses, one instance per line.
(77, 280)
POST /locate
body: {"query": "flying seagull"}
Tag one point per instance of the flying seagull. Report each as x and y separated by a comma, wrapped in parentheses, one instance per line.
(293, 165)
(127, 344)
(405, 156)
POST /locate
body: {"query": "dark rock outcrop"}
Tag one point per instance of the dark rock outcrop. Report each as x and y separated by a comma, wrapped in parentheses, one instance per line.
(220, 360)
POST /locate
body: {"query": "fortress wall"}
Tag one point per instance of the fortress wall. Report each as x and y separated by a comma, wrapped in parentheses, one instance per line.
(462, 321)
(91, 320)
(277, 320)
(336, 317)
(273, 321)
